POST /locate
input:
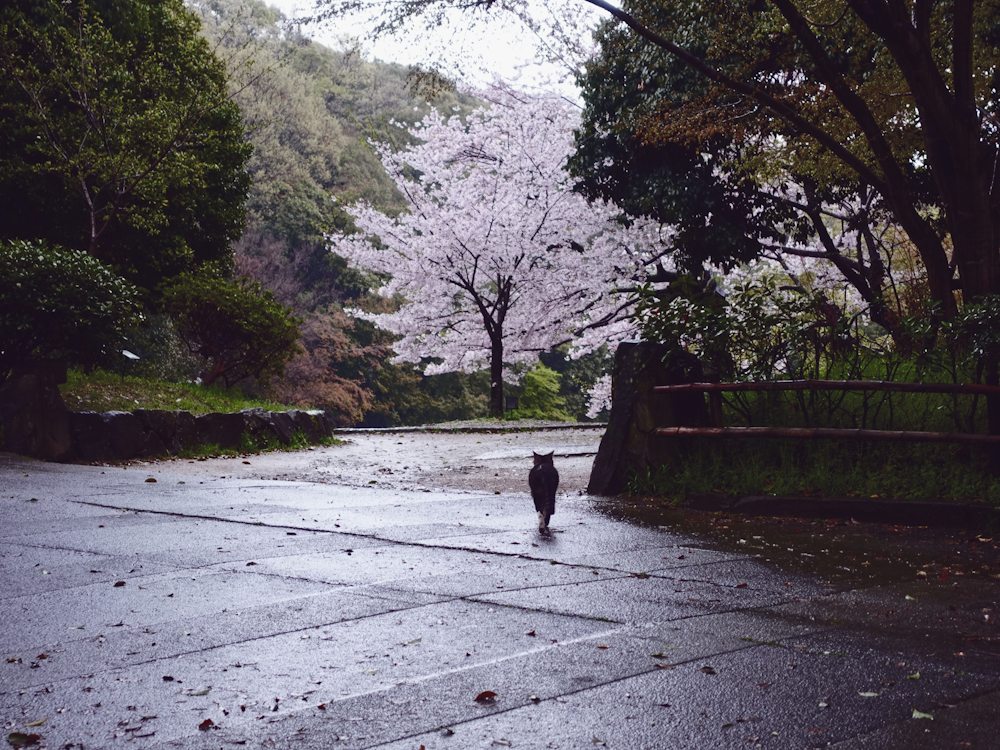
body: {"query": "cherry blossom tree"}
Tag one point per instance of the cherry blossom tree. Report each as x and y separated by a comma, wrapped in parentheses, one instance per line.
(497, 259)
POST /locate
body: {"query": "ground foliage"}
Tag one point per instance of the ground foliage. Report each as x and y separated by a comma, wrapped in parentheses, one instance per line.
(110, 390)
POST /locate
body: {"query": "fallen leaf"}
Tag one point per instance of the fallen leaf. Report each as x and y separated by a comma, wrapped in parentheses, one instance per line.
(914, 676)
(502, 742)
(206, 725)
(708, 670)
(119, 584)
(597, 741)
(17, 739)
(921, 715)
(204, 691)
(602, 646)
(742, 585)
(37, 723)
(487, 696)
(530, 632)
(868, 695)
(151, 479)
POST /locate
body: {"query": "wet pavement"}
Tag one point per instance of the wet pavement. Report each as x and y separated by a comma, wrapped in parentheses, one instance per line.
(348, 607)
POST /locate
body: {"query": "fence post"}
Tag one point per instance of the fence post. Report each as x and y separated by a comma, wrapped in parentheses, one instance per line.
(714, 400)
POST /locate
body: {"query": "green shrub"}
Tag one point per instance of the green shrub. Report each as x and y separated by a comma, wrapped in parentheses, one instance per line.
(237, 327)
(56, 302)
(540, 397)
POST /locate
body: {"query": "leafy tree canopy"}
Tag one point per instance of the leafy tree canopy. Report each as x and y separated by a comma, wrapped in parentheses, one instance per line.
(730, 193)
(118, 136)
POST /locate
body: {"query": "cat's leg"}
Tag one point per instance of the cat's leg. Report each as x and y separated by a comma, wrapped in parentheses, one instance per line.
(543, 521)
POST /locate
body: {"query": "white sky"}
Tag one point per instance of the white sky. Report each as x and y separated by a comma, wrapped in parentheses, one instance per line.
(506, 49)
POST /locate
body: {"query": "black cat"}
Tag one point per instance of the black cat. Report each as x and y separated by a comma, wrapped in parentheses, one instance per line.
(543, 479)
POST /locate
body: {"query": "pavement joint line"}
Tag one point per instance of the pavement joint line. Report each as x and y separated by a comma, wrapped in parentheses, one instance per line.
(207, 649)
(399, 542)
(528, 701)
(357, 534)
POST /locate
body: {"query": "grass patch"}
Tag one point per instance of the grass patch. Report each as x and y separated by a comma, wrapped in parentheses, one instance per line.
(828, 468)
(105, 391)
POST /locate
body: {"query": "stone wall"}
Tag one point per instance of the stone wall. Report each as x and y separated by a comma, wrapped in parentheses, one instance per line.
(34, 422)
(146, 433)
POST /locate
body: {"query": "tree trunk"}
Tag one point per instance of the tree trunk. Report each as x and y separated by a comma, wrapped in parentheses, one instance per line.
(496, 376)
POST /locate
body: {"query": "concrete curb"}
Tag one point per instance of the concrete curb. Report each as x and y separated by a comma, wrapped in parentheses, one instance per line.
(469, 429)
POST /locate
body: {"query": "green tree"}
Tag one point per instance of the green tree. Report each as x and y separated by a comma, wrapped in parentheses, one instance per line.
(118, 135)
(716, 185)
(56, 302)
(235, 325)
(899, 95)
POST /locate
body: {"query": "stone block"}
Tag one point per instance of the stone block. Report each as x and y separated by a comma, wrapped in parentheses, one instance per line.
(282, 425)
(224, 430)
(630, 443)
(90, 436)
(34, 418)
(126, 435)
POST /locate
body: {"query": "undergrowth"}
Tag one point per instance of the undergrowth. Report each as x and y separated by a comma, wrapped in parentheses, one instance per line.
(833, 468)
(104, 391)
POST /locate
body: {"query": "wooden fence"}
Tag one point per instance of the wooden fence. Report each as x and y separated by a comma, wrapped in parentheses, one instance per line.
(813, 433)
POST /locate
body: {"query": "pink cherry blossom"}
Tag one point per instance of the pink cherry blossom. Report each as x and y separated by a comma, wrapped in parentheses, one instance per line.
(497, 259)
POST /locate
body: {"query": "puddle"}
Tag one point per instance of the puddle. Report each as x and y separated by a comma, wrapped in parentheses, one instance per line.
(843, 553)
(564, 451)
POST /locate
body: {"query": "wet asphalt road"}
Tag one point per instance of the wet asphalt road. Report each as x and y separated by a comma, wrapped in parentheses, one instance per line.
(198, 612)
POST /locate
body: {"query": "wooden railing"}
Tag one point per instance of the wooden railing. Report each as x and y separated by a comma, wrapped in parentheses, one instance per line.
(813, 433)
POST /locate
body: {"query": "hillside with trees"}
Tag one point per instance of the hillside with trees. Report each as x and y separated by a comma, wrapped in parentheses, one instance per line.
(309, 115)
